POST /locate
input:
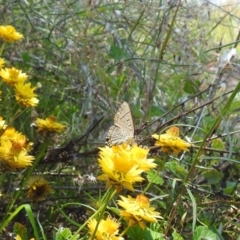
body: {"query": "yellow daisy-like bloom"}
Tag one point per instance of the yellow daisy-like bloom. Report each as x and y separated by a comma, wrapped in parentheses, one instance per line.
(38, 188)
(49, 125)
(122, 165)
(137, 210)
(24, 94)
(13, 76)
(171, 142)
(107, 229)
(14, 158)
(9, 34)
(2, 62)
(19, 140)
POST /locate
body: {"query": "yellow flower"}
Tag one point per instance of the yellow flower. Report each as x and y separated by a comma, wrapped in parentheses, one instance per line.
(38, 188)
(9, 34)
(13, 148)
(49, 125)
(122, 165)
(18, 139)
(3, 126)
(2, 62)
(12, 76)
(171, 142)
(139, 155)
(107, 229)
(22, 160)
(137, 210)
(18, 237)
(24, 94)
(14, 158)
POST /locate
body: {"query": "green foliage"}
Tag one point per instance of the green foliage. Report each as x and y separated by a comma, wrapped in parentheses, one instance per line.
(156, 180)
(177, 236)
(218, 144)
(176, 169)
(213, 176)
(203, 232)
(20, 230)
(64, 234)
(146, 234)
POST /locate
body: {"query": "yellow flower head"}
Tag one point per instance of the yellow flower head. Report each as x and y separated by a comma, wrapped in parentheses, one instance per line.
(49, 125)
(13, 158)
(107, 229)
(171, 142)
(38, 188)
(19, 140)
(24, 94)
(137, 210)
(2, 62)
(9, 34)
(13, 76)
(122, 165)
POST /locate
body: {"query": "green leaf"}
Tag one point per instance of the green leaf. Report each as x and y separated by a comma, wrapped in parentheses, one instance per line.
(65, 233)
(30, 215)
(230, 186)
(156, 111)
(137, 233)
(147, 234)
(117, 53)
(207, 122)
(115, 210)
(25, 56)
(176, 236)
(157, 180)
(218, 144)
(154, 235)
(20, 230)
(235, 106)
(213, 176)
(176, 169)
(155, 232)
(194, 209)
(191, 87)
(204, 233)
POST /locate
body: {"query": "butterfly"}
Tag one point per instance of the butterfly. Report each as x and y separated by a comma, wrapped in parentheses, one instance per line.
(123, 129)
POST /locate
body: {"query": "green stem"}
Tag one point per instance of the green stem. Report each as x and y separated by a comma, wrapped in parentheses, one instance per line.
(210, 132)
(99, 213)
(196, 160)
(154, 177)
(2, 48)
(124, 231)
(109, 196)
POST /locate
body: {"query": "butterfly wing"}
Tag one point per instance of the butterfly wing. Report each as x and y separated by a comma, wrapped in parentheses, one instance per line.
(123, 119)
(116, 136)
(123, 129)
